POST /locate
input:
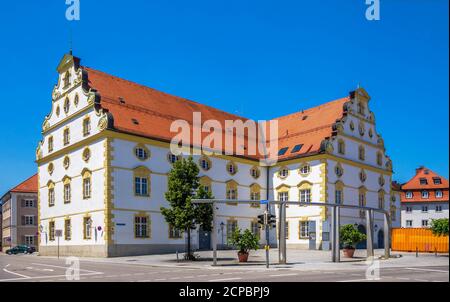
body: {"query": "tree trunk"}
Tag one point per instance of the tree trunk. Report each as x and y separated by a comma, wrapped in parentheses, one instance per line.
(188, 248)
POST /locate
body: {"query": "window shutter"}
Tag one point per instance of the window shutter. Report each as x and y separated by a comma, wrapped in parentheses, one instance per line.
(34, 220)
(22, 202)
(23, 220)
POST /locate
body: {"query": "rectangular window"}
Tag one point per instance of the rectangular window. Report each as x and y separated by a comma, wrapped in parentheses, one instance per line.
(86, 127)
(174, 233)
(409, 194)
(439, 194)
(424, 194)
(338, 196)
(87, 188)
(29, 240)
(381, 202)
(141, 186)
(51, 231)
(50, 144)
(67, 229)
(303, 229)
(283, 196)
(408, 209)
(231, 227)
(51, 197)
(305, 195)
(409, 223)
(87, 224)
(67, 193)
(438, 208)
(141, 227)
(424, 223)
(29, 203)
(66, 137)
(424, 209)
(29, 220)
(423, 181)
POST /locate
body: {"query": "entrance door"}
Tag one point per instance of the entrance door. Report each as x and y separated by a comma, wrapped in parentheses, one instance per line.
(362, 244)
(204, 240)
(381, 239)
(312, 234)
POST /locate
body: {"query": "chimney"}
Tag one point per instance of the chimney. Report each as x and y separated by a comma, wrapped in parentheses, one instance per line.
(419, 169)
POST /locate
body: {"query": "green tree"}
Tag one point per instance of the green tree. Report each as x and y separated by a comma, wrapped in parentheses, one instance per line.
(439, 227)
(183, 186)
(244, 242)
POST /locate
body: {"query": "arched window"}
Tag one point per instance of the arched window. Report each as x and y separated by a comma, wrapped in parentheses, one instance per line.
(141, 182)
(87, 183)
(205, 182)
(66, 105)
(172, 158)
(283, 192)
(86, 126)
(86, 154)
(362, 200)
(50, 144)
(339, 170)
(381, 180)
(361, 108)
(304, 191)
(51, 193)
(232, 191)
(66, 79)
(255, 194)
(362, 175)
(339, 192)
(67, 189)
(50, 168)
(66, 162)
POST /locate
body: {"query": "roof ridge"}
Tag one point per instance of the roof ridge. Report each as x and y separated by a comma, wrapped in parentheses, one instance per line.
(309, 109)
(160, 92)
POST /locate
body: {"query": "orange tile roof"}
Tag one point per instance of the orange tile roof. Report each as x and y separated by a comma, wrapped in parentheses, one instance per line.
(416, 188)
(155, 111)
(28, 186)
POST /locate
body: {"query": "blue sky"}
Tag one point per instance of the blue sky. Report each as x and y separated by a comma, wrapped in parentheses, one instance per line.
(260, 59)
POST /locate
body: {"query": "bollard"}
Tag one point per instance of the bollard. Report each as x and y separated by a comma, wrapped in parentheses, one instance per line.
(178, 260)
(435, 251)
(417, 252)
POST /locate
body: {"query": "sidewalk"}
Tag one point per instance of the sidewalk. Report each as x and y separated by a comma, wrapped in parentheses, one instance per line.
(296, 260)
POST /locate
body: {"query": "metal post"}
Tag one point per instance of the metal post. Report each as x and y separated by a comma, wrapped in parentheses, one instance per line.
(214, 235)
(266, 226)
(282, 235)
(333, 234)
(369, 222)
(58, 247)
(387, 236)
(337, 248)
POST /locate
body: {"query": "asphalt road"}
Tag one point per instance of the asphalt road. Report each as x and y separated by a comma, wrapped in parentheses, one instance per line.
(26, 268)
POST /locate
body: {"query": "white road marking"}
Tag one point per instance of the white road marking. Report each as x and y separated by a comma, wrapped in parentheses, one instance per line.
(421, 280)
(226, 279)
(355, 280)
(17, 274)
(160, 279)
(426, 270)
(283, 275)
(66, 267)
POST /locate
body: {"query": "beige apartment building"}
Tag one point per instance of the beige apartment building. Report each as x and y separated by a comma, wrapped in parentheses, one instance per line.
(19, 215)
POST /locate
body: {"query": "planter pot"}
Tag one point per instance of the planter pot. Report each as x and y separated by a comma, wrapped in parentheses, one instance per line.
(348, 252)
(243, 257)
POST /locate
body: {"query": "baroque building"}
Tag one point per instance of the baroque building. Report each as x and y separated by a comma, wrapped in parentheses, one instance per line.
(105, 154)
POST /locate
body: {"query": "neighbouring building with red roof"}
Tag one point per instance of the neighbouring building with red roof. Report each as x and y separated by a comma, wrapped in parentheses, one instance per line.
(424, 197)
(105, 154)
(20, 215)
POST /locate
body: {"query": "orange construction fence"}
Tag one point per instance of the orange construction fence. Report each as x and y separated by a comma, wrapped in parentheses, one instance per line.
(420, 239)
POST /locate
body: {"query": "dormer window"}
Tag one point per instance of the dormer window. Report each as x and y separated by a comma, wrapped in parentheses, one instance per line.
(437, 181)
(66, 80)
(423, 181)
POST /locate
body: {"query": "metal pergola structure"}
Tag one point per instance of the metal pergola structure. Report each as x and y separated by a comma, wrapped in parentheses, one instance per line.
(335, 225)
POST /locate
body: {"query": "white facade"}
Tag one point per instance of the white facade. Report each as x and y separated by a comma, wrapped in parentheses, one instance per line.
(104, 223)
(420, 214)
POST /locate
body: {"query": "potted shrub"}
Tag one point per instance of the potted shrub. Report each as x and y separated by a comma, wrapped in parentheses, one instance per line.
(244, 242)
(350, 237)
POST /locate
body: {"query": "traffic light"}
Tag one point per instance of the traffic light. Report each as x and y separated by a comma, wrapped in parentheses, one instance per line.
(272, 220)
(261, 219)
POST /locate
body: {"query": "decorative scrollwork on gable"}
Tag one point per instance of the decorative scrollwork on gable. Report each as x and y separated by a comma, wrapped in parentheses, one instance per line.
(106, 120)
(326, 146)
